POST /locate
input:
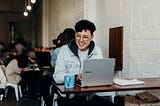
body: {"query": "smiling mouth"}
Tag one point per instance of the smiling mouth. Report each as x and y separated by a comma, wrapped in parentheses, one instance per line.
(81, 44)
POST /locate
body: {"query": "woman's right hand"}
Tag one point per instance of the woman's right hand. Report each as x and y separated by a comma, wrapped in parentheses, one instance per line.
(79, 77)
(25, 69)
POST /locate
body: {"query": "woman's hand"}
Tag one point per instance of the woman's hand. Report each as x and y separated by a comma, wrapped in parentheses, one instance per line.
(24, 69)
(79, 76)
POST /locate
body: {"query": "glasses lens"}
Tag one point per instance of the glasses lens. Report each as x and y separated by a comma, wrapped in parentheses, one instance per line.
(85, 38)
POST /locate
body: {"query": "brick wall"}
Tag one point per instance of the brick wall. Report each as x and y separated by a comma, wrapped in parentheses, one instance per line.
(141, 19)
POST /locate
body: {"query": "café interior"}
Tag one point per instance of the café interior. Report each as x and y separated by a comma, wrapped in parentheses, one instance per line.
(34, 24)
(25, 24)
(21, 24)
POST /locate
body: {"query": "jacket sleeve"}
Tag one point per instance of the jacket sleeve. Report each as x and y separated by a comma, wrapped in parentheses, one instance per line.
(100, 52)
(60, 67)
(54, 57)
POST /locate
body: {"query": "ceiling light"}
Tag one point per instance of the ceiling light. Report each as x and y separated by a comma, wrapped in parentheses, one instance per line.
(25, 13)
(33, 1)
(29, 7)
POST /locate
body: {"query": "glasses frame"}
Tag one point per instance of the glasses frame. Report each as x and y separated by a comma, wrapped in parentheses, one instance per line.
(83, 37)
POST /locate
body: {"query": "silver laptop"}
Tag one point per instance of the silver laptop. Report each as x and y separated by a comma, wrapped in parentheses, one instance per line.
(97, 72)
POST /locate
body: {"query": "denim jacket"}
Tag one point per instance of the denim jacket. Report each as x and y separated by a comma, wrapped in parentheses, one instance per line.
(68, 60)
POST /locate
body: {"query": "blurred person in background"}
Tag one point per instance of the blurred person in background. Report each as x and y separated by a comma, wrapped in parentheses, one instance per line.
(62, 39)
(12, 55)
(15, 67)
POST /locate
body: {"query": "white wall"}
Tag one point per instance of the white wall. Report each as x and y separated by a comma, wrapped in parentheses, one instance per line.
(107, 16)
(63, 14)
(145, 39)
(140, 19)
(141, 33)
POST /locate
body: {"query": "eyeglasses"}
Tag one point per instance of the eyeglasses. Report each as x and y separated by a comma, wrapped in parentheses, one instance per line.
(84, 37)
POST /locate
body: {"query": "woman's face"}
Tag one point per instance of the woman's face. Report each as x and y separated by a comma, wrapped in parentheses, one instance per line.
(83, 39)
(15, 53)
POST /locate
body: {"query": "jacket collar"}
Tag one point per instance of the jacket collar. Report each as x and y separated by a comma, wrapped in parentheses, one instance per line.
(74, 48)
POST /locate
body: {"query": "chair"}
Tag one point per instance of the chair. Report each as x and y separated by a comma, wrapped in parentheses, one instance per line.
(54, 96)
(2, 82)
(2, 93)
(6, 84)
(17, 89)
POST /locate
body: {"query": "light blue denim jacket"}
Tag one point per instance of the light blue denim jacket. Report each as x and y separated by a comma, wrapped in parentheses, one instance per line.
(68, 60)
(54, 56)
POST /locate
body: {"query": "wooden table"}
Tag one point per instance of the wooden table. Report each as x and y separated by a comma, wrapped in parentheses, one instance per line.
(150, 83)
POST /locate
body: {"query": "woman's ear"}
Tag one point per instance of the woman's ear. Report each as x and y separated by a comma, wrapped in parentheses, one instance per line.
(92, 36)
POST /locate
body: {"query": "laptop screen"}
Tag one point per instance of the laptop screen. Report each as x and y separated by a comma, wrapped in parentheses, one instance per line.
(98, 72)
(43, 59)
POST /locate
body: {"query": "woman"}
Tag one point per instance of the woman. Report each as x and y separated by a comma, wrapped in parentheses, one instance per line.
(15, 67)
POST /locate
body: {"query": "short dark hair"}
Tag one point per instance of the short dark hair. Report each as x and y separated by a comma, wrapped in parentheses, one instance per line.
(84, 25)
